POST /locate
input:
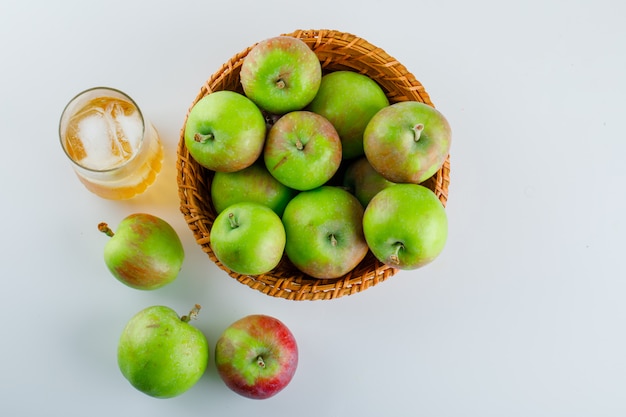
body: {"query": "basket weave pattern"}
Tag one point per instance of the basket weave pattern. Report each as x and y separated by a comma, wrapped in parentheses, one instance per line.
(336, 51)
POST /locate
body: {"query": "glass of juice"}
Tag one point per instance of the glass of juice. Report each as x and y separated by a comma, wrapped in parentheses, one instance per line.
(116, 153)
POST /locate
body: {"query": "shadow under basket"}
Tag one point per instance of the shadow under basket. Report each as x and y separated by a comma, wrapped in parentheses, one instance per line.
(336, 51)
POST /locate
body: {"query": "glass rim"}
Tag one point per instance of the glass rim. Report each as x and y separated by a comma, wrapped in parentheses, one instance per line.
(61, 133)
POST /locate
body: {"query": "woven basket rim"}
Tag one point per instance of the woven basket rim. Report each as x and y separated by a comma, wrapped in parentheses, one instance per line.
(337, 50)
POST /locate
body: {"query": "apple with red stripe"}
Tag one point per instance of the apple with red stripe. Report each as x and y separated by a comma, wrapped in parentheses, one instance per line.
(257, 356)
(281, 74)
(144, 253)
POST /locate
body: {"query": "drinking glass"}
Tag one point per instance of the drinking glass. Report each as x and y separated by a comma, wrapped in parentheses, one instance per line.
(115, 152)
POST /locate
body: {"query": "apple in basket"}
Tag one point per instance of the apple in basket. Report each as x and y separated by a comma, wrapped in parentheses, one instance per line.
(349, 100)
(256, 356)
(248, 238)
(324, 228)
(253, 184)
(405, 226)
(225, 131)
(302, 150)
(281, 74)
(407, 142)
(364, 181)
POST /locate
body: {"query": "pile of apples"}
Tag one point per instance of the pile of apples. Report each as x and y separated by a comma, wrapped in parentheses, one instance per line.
(319, 167)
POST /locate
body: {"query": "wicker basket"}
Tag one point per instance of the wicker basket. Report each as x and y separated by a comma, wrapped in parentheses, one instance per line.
(336, 51)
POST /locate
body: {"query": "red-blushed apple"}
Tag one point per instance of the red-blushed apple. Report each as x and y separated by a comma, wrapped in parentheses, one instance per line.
(281, 74)
(349, 100)
(248, 238)
(364, 181)
(225, 131)
(302, 150)
(254, 184)
(257, 356)
(144, 252)
(405, 226)
(407, 142)
(162, 354)
(324, 228)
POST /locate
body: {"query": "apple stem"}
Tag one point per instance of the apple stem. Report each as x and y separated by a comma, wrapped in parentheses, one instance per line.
(299, 144)
(395, 257)
(200, 138)
(280, 84)
(333, 240)
(418, 128)
(232, 221)
(193, 314)
(104, 228)
(260, 361)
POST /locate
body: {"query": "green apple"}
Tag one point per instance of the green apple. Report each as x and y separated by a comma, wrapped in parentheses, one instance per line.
(281, 74)
(144, 253)
(160, 353)
(302, 150)
(248, 238)
(225, 131)
(407, 141)
(405, 226)
(256, 356)
(364, 181)
(254, 184)
(325, 232)
(349, 100)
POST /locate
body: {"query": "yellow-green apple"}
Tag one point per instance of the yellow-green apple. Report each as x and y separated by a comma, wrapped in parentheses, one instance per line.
(407, 141)
(145, 252)
(364, 181)
(162, 354)
(225, 131)
(302, 150)
(256, 356)
(349, 100)
(254, 184)
(248, 238)
(281, 74)
(325, 232)
(405, 226)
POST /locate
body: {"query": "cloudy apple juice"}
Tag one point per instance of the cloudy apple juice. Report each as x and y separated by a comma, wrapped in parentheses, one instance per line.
(116, 153)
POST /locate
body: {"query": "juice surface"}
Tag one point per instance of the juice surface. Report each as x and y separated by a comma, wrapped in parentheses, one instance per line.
(104, 134)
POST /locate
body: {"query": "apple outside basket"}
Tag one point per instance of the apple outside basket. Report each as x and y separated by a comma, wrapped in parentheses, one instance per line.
(336, 51)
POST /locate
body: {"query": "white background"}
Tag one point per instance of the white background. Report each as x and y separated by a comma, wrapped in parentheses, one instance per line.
(523, 314)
